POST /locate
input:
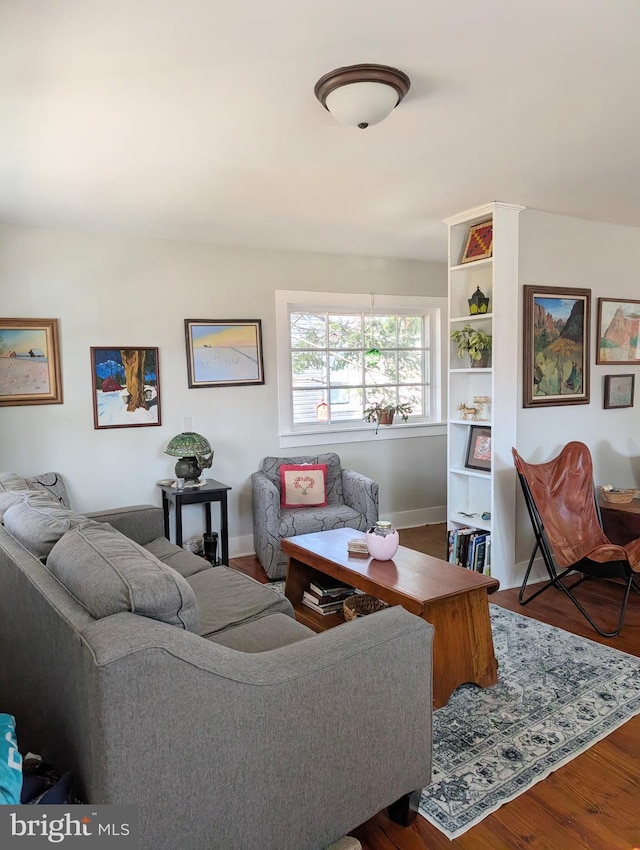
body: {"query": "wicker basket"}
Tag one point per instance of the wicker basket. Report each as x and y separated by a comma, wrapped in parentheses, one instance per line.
(618, 497)
(361, 604)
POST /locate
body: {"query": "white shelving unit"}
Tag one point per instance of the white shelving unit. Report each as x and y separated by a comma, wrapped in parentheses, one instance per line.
(471, 492)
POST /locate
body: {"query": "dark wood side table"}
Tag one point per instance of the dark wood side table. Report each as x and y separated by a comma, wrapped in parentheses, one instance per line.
(621, 523)
(212, 491)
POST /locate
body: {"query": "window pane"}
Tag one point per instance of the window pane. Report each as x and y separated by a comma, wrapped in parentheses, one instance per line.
(380, 331)
(410, 331)
(346, 404)
(382, 395)
(345, 331)
(410, 366)
(308, 368)
(345, 368)
(415, 397)
(308, 330)
(307, 408)
(384, 372)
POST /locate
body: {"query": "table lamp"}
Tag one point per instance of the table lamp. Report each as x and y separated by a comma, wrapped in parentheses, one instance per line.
(194, 453)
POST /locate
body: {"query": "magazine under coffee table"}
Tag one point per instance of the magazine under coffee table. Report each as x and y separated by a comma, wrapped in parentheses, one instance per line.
(451, 598)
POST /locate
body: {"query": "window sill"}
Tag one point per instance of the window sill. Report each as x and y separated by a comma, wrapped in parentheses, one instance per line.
(361, 433)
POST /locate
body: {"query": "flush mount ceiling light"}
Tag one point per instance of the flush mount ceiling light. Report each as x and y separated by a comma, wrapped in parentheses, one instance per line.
(360, 95)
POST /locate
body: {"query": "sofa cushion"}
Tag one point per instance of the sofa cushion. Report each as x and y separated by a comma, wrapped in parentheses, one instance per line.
(109, 574)
(38, 523)
(226, 597)
(184, 562)
(271, 468)
(8, 498)
(261, 635)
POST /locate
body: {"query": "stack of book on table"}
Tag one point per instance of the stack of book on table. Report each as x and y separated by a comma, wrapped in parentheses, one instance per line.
(326, 595)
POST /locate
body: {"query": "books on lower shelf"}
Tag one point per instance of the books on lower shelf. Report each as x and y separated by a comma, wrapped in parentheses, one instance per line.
(470, 548)
(326, 597)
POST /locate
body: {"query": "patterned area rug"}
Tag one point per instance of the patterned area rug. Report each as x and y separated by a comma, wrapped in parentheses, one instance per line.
(557, 695)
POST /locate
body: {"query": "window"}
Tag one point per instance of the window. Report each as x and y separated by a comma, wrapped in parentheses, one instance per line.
(338, 354)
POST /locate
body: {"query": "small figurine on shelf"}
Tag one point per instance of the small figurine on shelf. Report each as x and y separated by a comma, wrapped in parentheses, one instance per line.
(482, 401)
(468, 412)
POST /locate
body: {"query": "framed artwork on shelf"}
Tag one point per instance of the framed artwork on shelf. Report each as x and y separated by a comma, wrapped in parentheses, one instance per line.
(479, 244)
(224, 353)
(479, 448)
(618, 331)
(556, 346)
(29, 362)
(618, 391)
(126, 387)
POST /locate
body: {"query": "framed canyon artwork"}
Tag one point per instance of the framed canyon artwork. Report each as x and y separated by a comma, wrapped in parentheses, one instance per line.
(556, 346)
(618, 331)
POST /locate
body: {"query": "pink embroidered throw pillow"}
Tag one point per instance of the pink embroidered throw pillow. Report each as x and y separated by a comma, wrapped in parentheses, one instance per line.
(303, 485)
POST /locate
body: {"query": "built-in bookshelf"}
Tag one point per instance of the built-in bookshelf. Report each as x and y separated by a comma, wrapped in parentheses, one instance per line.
(483, 399)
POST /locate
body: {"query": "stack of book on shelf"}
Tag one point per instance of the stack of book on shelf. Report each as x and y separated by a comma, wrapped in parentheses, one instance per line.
(326, 595)
(470, 548)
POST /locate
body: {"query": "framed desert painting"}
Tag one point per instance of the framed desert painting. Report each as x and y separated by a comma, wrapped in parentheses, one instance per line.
(224, 353)
(126, 387)
(618, 331)
(556, 346)
(29, 362)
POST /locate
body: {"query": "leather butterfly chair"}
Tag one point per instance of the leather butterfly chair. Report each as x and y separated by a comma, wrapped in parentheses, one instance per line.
(564, 512)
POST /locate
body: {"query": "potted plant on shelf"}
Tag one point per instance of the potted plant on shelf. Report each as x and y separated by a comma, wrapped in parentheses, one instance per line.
(474, 343)
(383, 414)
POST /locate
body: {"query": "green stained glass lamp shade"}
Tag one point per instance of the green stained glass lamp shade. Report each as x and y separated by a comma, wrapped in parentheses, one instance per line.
(194, 453)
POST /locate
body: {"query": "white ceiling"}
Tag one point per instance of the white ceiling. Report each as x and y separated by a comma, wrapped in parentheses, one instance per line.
(196, 119)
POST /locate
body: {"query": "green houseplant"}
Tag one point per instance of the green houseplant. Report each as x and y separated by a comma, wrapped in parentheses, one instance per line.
(383, 414)
(474, 343)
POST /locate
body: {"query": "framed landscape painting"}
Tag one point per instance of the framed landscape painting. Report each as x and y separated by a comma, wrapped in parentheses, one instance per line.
(126, 387)
(224, 353)
(618, 331)
(556, 346)
(29, 362)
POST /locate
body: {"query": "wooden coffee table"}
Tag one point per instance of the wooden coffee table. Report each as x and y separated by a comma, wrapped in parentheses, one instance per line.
(452, 599)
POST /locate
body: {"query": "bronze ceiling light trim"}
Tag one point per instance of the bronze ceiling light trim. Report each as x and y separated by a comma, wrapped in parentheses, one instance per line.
(341, 93)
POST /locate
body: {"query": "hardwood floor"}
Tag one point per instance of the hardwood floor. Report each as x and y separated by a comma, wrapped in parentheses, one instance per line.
(593, 802)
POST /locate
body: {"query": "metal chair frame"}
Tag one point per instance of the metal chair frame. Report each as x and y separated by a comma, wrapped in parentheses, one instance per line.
(589, 569)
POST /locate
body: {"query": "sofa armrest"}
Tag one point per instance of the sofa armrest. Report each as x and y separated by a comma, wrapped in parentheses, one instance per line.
(141, 523)
(361, 494)
(340, 722)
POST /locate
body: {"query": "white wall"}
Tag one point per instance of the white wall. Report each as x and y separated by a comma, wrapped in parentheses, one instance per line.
(109, 291)
(561, 251)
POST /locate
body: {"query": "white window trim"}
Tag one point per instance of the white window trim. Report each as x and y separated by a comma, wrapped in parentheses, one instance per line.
(286, 299)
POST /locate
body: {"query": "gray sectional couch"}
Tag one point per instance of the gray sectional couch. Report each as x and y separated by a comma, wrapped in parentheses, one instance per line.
(192, 692)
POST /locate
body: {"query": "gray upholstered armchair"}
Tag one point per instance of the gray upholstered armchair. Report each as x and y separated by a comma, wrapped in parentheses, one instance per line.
(352, 502)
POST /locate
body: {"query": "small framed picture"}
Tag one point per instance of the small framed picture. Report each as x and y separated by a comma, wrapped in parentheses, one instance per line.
(479, 448)
(618, 331)
(126, 387)
(224, 353)
(618, 391)
(29, 362)
(479, 244)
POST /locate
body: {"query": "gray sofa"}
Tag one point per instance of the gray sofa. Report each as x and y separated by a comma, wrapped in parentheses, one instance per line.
(352, 502)
(191, 691)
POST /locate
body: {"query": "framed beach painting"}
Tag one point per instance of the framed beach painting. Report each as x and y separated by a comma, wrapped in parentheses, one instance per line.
(618, 331)
(126, 387)
(224, 353)
(556, 346)
(29, 362)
